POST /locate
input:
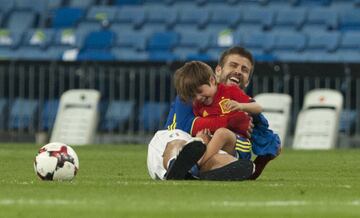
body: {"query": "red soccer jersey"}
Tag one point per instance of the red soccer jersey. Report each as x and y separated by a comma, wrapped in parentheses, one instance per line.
(217, 108)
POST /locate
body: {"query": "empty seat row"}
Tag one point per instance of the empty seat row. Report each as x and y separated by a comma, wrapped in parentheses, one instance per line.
(29, 115)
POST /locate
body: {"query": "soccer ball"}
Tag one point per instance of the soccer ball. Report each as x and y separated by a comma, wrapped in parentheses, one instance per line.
(56, 161)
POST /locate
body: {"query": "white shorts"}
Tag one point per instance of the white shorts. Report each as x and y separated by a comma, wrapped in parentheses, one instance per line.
(157, 147)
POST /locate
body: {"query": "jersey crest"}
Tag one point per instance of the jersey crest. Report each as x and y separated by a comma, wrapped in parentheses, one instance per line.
(224, 108)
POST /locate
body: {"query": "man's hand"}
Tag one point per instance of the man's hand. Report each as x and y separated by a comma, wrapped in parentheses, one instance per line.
(205, 135)
(241, 123)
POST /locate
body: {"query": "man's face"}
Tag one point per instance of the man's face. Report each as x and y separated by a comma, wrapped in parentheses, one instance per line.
(236, 70)
(206, 93)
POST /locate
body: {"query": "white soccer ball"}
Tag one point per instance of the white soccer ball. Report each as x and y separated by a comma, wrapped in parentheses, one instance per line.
(56, 161)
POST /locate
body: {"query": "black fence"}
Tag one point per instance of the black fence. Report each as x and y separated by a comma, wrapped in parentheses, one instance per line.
(142, 83)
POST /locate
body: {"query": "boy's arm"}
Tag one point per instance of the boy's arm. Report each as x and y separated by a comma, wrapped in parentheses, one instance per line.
(252, 107)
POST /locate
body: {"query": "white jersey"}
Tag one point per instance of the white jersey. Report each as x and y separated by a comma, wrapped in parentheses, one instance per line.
(157, 147)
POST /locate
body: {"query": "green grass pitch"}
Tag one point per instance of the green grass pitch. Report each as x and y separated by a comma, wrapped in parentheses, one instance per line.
(113, 182)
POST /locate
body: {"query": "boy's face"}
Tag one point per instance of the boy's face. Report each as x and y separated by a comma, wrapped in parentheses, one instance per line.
(236, 70)
(205, 94)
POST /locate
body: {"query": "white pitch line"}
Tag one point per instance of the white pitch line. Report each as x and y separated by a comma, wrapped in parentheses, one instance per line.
(40, 202)
(291, 203)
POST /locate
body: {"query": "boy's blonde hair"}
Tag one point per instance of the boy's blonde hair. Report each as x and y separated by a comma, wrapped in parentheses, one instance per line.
(190, 77)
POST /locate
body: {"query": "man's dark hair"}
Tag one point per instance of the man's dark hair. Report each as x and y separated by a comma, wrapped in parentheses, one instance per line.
(239, 51)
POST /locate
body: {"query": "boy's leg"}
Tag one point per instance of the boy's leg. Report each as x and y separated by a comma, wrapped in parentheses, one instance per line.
(223, 139)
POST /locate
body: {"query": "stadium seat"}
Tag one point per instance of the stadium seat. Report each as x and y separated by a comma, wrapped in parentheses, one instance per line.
(127, 2)
(117, 115)
(160, 15)
(289, 18)
(198, 40)
(347, 122)
(349, 20)
(258, 42)
(48, 114)
(132, 40)
(321, 19)
(102, 39)
(125, 54)
(3, 113)
(83, 4)
(257, 16)
(9, 38)
(95, 55)
(23, 114)
(131, 15)
(289, 41)
(152, 115)
(281, 3)
(318, 121)
(67, 17)
(21, 21)
(314, 3)
(276, 109)
(350, 41)
(323, 41)
(193, 16)
(39, 37)
(77, 117)
(162, 41)
(162, 56)
(6, 6)
(226, 16)
(101, 14)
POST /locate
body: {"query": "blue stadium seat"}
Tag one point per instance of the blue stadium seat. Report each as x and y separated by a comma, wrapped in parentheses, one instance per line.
(21, 21)
(119, 28)
(347, 123)
(23, 114)
(36, 53)
(323, 41)
(127, 2)
(7, 53)
(198, 40)
(162, 41)
(225, 16)
(3, 113)
(258, 42)
(9, 38)
(289, 18)
(314, 2)
(350, 41)
(349, 56)
(102, 39)
(193, 16)
(153, 115)
(277, 3)
(84, 4)
(160, 15)
(289, 41)
(158, 2)
(259, 16)
(133, 40)
(48, 114)
(67, 17)
(131, 15)
(83, 30)
(321, 19)
(117, 115)
(125, 54)
(6, 6)
(101, 13)
(349, 20)
(95, 55)
(162, 56)
(39, 37)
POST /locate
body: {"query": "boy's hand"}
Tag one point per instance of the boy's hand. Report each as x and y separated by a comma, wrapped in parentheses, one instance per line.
(232, 105)
(205, 135)
(241, 123)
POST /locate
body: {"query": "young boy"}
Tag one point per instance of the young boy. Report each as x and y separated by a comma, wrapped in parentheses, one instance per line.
(196, 82)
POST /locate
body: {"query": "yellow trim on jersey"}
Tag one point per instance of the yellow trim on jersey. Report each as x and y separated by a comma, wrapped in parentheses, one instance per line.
(243, 150)
(172, 126)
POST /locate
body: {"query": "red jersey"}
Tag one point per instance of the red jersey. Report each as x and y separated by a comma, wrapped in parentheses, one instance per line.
(217, 108)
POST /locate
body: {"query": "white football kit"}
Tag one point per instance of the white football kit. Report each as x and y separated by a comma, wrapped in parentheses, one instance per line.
(157, 147)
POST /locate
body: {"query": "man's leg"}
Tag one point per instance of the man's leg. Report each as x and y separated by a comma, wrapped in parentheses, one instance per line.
(224, 167)
(179, 157)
